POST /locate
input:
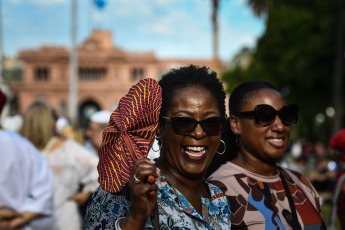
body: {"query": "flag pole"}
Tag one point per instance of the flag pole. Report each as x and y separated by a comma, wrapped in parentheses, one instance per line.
(73, 80)
(1, 51)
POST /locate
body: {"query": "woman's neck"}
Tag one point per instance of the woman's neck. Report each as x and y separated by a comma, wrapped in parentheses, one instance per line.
(255, 165)
(192, 188)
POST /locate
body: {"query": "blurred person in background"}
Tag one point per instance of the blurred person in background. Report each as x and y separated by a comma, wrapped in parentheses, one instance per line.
(98, 122)
(262, 194)
(293, 158)
(12, 123)
(72, 165)
(322, 175)
(337, 142)
(26, 186)
(64, 128)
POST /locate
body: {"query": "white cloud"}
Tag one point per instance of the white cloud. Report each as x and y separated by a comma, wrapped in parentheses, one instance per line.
(48, 2)
(15, 1)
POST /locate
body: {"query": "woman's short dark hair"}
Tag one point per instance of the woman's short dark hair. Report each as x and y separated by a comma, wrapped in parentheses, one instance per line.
(183, 77)
(242, 93)
(240, 96)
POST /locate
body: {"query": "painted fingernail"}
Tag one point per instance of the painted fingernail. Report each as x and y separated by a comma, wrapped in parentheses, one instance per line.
(152, 193)
(151, 179)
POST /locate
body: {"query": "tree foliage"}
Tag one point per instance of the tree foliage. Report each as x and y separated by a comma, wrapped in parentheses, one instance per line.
(296, 54)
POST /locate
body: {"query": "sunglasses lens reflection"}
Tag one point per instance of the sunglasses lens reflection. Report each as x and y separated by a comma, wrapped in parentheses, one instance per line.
(186, 125)
(289, 114)
(183, 125)
(266, 114)
(212, 125)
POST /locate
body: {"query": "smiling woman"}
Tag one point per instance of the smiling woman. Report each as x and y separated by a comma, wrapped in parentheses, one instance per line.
(189, 133)
(262, 194)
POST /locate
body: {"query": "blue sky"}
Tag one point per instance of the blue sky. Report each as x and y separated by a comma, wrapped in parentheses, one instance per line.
(170, 28)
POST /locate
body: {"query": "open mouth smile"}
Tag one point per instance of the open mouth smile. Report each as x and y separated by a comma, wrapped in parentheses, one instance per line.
(195, 153)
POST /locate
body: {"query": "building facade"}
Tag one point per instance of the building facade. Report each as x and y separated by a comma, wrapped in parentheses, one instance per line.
(105, 73)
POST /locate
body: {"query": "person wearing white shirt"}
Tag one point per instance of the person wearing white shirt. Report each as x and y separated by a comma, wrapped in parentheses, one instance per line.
(74, 169)
(26, 187)
(98, 122)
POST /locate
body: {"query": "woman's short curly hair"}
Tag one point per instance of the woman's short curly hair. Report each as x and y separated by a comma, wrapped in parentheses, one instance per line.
(183, 77)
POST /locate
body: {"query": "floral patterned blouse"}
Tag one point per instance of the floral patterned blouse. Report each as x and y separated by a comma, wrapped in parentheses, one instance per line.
(175, 212)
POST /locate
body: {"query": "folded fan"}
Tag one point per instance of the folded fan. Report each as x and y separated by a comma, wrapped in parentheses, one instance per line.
(129, 134)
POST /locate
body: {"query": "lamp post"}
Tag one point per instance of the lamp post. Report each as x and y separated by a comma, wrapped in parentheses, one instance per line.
(73, 78)
(1, 51)
(215, 7)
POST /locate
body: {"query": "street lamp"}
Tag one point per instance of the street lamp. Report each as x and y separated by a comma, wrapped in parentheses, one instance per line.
(73, 78)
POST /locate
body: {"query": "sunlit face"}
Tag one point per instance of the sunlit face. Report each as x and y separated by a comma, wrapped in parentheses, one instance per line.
(266, 144)
(190, 155)
(94, 133)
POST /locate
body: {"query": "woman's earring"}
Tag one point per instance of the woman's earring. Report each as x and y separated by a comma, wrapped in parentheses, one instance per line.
(236, 138)
(159, 145)
(220, 153)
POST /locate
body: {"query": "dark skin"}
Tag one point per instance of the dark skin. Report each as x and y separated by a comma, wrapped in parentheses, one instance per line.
(261, 146)
(11, 220)
(183, 172)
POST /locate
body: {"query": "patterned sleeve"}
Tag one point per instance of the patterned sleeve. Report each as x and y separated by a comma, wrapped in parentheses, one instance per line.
(105, 208)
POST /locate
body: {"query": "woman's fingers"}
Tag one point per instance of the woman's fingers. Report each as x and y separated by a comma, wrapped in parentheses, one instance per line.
(143, 187)
(144, 170)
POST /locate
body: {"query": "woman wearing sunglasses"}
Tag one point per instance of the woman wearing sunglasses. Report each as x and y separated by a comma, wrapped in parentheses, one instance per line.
(262, 194)
(189, 133)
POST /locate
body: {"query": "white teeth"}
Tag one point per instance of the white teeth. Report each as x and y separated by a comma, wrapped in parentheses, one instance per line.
(195, 154)
(196, 149)
(276, 139)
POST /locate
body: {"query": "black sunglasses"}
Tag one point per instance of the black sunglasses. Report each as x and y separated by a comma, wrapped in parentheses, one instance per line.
(186, 125)
(265, 115)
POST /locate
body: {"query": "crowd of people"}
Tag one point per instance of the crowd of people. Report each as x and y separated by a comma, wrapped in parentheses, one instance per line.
(168, 157)
(47, 177)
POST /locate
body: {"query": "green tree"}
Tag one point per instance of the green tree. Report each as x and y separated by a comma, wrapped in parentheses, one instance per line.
(296, 53)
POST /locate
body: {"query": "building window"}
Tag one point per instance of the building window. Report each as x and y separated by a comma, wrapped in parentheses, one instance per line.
(91, 74)
(41, 74)
(137, 74)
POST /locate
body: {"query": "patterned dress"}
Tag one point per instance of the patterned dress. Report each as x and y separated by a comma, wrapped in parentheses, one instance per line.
(260, 202)
(175, 212)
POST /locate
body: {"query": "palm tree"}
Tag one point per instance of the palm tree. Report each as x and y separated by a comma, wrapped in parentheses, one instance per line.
(260, 7)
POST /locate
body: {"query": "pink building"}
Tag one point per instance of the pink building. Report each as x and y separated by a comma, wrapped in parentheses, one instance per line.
(105, 73)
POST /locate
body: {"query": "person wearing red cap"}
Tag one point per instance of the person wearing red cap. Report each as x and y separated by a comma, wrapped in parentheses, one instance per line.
(2, 100)
(26, 189)
(337, 142)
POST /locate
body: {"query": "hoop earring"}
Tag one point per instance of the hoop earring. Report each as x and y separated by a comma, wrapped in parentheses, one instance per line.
(220, 153)
(159, 146)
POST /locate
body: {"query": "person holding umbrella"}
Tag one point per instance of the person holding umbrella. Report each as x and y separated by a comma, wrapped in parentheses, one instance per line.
(186, 111)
